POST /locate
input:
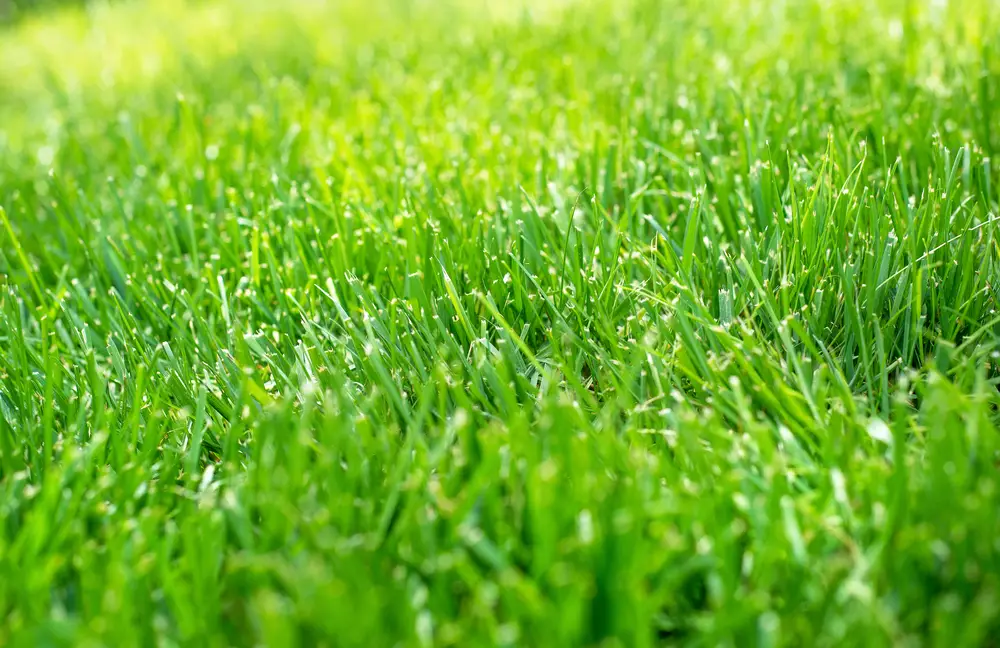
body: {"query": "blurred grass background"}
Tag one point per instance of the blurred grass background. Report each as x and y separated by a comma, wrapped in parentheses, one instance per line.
(13, 10)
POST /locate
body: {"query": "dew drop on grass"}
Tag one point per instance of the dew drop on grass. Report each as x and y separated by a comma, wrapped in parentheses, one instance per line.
(45, 155)
(585, 527)
(878, 430)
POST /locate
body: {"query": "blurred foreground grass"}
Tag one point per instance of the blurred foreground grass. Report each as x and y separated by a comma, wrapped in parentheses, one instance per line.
(460, 323)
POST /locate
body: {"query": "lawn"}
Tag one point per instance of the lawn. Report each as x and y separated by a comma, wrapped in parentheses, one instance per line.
(519, 323)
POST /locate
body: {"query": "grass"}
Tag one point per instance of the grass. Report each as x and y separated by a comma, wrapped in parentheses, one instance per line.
(592, 322)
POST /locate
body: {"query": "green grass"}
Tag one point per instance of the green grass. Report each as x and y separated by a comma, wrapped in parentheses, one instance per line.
(584, 322)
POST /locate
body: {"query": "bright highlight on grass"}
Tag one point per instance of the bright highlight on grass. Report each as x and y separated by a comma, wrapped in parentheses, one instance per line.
(590, 323)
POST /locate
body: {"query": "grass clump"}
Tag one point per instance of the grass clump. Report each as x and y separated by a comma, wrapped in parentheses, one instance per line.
(574, 323)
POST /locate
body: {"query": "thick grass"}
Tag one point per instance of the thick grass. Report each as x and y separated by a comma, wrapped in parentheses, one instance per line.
(393, 323)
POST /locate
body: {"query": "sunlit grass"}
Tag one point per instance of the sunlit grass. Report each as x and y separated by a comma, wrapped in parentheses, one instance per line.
(565, 323)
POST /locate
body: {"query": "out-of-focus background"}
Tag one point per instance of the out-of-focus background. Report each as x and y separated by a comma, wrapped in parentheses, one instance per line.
(11, 10)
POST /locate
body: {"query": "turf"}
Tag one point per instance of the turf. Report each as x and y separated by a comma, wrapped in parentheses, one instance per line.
(592, 322)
